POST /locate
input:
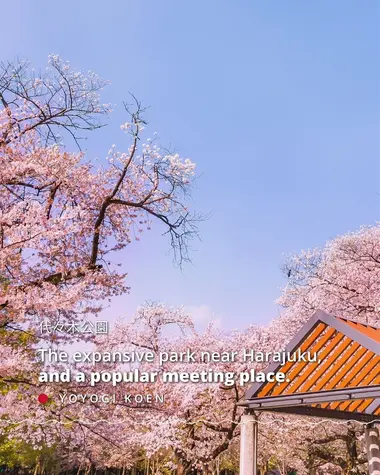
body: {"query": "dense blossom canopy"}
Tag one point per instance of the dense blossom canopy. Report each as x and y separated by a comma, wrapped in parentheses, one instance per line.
(342, 279)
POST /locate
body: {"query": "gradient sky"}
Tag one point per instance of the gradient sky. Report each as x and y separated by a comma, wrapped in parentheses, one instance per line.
(278, 104)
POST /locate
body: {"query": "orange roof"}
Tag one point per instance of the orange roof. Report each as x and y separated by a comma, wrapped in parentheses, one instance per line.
(344, 383)
(370, 331)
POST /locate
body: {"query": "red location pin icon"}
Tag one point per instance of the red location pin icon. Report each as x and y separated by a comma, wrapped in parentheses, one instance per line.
(43, 398)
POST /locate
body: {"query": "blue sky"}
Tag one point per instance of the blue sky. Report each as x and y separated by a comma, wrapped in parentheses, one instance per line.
(277, 103)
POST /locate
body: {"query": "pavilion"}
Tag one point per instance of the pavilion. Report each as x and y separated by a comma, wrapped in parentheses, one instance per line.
(345, 384)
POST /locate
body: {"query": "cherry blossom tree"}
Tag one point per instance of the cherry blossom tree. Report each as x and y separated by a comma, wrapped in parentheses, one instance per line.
(343, 279)
(62, 217)
(56, 100)
(197, 422)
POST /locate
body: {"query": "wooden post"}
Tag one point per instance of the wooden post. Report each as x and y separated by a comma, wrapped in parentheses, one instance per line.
(373, 449)
(248, 445)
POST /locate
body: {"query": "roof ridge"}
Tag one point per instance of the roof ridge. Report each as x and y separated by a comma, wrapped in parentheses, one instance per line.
(357, 322)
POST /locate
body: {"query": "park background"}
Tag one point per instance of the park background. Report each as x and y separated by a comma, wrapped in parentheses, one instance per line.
(278, 106)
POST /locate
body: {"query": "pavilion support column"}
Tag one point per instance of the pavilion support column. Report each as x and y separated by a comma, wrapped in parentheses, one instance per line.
(248, 444)
(373, 449)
